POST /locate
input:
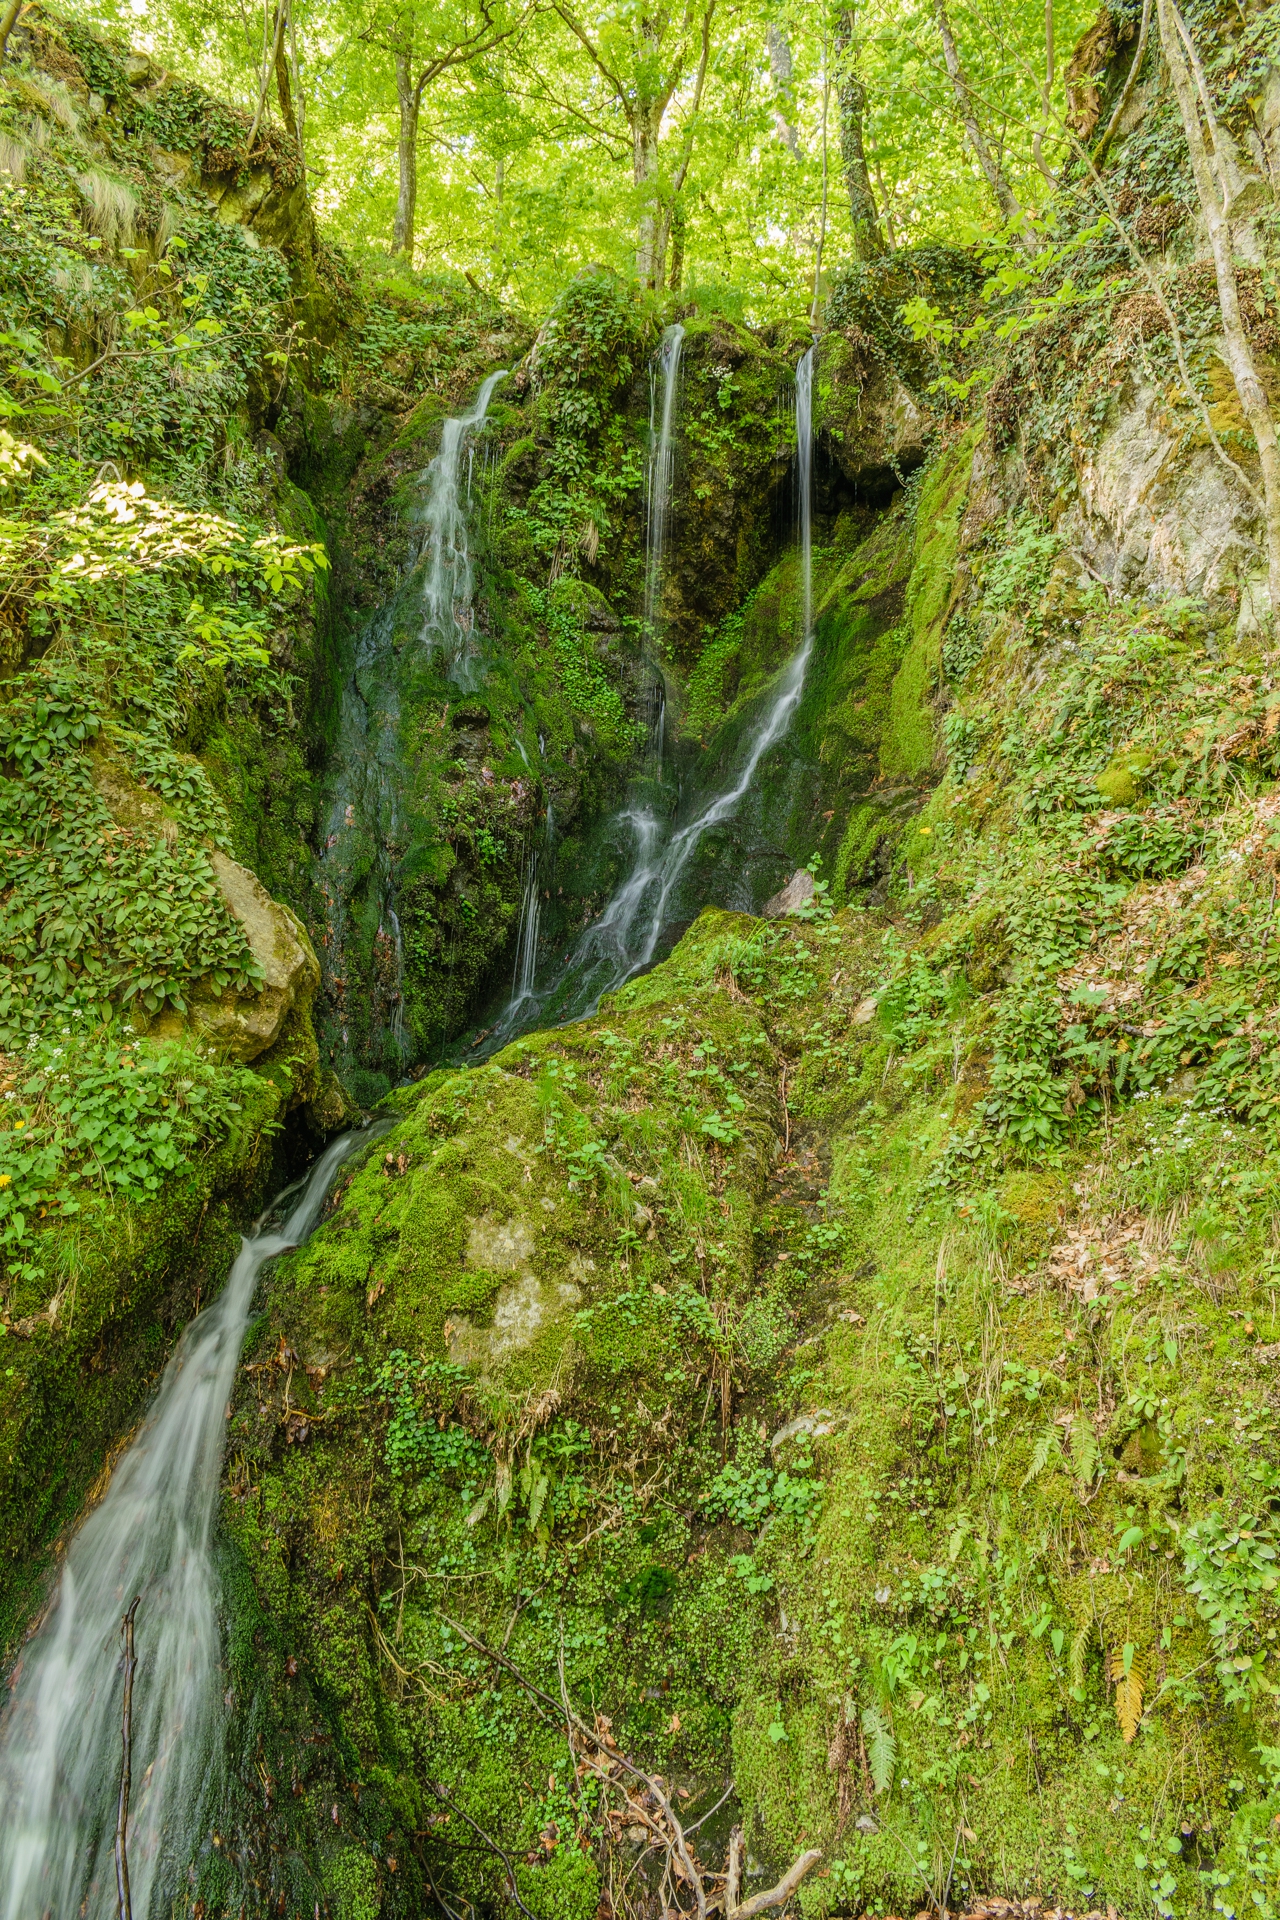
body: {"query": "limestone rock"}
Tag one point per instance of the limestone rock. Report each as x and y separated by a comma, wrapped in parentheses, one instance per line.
(521, 1308)
(1151, 516)
(796, 894)
(806, 1426)
(247, 1024)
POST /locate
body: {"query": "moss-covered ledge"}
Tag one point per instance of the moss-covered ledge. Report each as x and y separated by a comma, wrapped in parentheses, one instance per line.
(129, 1277)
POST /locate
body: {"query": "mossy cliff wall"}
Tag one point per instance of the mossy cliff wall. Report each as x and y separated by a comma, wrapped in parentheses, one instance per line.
(846, 1363)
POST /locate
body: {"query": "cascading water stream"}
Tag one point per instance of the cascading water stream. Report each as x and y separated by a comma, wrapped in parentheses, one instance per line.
(624, 938)
(151, 1535)
(364, 826)
(526, 968)
(449, 581)
(661, 482)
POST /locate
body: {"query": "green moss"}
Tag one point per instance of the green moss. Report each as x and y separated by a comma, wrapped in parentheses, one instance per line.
(908, 745)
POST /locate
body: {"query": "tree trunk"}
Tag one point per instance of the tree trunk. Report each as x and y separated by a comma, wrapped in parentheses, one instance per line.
(283, 86)
(8, 23)
(409, 99)
(650, 229)
(676, 274)
(1238, 354)
(868, 240)
(1010, 211)
(781, 72)
(299, 96)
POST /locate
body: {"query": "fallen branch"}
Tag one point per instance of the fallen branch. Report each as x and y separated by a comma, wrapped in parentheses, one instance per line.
(761, 1902)
(487, 1839)
(126, 1772)
(597, 1753)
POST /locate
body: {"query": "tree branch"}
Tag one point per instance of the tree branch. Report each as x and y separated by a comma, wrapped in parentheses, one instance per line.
(8, 23)
(696, 103)
(580, 33)
(776, 1896)
(1100, 151)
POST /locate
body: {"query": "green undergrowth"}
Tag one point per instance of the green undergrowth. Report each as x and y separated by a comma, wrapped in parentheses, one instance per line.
(162, 623)
(852, 1352)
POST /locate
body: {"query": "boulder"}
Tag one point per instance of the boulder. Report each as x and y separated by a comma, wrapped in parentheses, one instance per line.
(797, 893)
(245, 1025)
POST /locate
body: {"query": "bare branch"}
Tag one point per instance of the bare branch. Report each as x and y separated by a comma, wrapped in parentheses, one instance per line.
(777, 1896)
(1100, 151)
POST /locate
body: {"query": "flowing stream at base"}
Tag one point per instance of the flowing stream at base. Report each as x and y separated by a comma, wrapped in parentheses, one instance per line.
(624, 939)
(151, 1535)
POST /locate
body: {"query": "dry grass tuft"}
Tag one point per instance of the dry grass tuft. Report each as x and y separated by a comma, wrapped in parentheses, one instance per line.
(13, 158)
(110, 206)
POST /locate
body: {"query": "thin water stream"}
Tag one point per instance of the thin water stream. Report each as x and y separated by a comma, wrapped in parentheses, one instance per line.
(365, 829)
(664, 379)
(151, 1535)
(624, 939)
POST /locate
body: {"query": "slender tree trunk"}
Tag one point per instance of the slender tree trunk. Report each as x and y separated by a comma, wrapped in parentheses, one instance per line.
(1010, 211)
(650, 234)
(283, 84)
(299, 97)
(868, 239)
(7, 24)
(822, 223)
(1238, 354)
(270, 55)
(676, 275)
(781, 72)
(409, 99)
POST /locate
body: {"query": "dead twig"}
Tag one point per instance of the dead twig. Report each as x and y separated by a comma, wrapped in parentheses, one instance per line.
(123, 1900)
(486, 1839)
(596, 1752)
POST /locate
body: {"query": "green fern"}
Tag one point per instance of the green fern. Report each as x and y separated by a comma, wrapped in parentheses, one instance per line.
(1084, 1450)
(882, 1748)
(1048, 1444)
(1079, 1647)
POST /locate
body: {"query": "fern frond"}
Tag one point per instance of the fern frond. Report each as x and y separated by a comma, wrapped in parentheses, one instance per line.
(1047, 1443)
(1125, 1672)
(882, 1748)
(1079, 1647)
(1084, 1450)
(1129, 1692)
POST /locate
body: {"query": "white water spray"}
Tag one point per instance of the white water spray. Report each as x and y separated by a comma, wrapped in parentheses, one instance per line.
(150, 1535)
(364, 836)
(665, 372)
(449, 580)
(625, 937)
(526, 967)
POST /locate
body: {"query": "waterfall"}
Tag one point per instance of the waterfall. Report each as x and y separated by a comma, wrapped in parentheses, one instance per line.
(660, 482)
(363, 831)
(527, 938)
(804, 484)
(624, 938)
(449, 579)
(151, 1535)
(398, 1039)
